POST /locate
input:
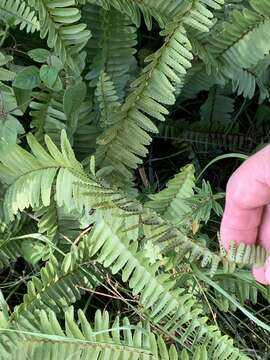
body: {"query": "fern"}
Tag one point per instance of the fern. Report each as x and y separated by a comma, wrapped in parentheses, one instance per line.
(170, 201)
(58, 284)
(241, 288)
(116, 57)
(217, 109)
(60, 22)
(17, 12)
(41, 332)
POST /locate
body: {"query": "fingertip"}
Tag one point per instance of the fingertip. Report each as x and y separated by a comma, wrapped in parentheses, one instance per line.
(261, 274)
(228, 235)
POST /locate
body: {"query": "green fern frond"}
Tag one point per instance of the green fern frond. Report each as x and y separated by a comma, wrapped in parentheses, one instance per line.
(205, 141)
(17, 12)
(107, 100)
(242, 288)
(170, 201)
(59, 21)
(217, 108)
(48, 115)
(113, 56)
(161, 300)
(238, 44)
(60, 284)
(10, 249)
(42, 333)
(162, 11)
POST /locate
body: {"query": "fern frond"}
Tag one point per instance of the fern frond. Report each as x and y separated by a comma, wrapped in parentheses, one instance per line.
(42, 332)
(57, 287)
(10, 249)
(162, 11)
(17, 12)
(217, 108)
(59, 21)
(205, 141)
(107, 100)
(163, 302)
(239, 44)
(170, 201)
(48, 116)
(168, 65)
(113, 56)
(240, 287)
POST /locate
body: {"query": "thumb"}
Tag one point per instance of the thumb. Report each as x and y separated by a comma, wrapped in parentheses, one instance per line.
(262, 273)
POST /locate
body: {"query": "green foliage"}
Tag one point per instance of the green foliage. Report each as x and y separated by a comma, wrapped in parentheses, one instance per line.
(98, 113)
(42, 330)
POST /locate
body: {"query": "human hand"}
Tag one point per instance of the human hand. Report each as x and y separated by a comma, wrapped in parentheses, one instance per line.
(246, 216)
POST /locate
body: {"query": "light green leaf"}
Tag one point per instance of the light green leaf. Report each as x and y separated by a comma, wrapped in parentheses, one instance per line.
(49, 76)
(39, 55)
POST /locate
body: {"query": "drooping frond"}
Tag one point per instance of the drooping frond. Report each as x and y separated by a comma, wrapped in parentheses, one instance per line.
(170, 201)
(162, 301)
(17, 12)
(59, 22)
(113, 56)
(42, 333)
(32, 186)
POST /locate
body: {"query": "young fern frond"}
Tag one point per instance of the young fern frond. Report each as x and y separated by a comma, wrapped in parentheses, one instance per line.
(42, 333)
(170, 202)
(114, 56)
(17, 12)
(59, 22)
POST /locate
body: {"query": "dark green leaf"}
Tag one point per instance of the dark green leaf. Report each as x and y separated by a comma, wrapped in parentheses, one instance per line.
(73, 98)
(28, 78)
(23, 97)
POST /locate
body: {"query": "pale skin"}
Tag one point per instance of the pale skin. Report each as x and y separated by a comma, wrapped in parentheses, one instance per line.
(247, 211)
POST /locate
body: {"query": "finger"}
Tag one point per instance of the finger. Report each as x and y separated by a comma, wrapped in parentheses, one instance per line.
(262, 274)
(264, 229)
(248, 191)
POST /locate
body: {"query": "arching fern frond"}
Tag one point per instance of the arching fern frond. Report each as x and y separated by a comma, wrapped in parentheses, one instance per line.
(59, 21)
(17, 12)
(41, 332)
(162, 301)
